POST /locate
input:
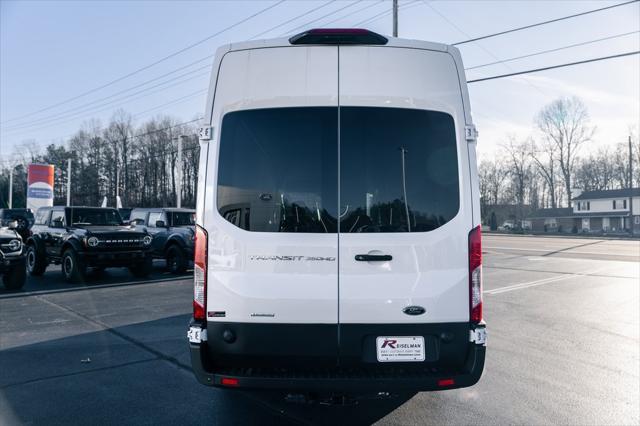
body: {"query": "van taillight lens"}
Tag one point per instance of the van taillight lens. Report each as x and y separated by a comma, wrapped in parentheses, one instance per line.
(475, 275)
(200, 275)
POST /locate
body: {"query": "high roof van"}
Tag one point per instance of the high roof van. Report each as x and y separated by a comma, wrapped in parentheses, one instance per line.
(338, 218)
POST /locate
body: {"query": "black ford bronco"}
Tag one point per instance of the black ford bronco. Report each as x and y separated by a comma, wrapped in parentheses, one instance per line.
(11, 258)
(82, 237)
(173, 231)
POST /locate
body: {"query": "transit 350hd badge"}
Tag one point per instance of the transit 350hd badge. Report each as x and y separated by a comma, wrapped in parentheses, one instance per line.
(282, 258)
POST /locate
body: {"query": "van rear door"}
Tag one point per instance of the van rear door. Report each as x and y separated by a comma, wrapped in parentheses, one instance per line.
(271, 208)
(405, 195)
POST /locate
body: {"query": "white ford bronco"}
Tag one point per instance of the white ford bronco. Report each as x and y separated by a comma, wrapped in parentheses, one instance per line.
(338, 218)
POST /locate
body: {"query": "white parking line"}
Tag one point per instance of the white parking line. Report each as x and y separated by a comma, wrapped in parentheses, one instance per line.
(515, 248)
(540, 282)
(568, 251)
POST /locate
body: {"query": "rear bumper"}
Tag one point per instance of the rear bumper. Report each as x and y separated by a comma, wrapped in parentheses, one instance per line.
(457, 366)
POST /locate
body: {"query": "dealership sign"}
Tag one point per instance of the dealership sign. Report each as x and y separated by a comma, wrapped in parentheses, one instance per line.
(40, 186)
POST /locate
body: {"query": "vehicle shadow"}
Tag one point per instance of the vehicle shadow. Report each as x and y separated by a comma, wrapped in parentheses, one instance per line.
(356, 410)
(133, 374)
(53, 281)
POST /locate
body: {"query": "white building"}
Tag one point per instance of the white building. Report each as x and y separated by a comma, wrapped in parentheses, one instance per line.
(614, 210)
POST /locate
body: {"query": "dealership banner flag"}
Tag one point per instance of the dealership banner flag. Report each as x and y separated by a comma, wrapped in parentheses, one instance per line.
(40, 186)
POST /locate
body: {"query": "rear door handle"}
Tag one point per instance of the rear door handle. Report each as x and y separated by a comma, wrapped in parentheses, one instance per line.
(373, 257)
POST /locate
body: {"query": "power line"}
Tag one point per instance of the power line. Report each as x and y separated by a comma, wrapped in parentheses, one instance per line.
(106, 106)
(124, 91)
(160, 130)
(306, 24)
(387, 12)
(65, 114)
(175, 101)
(372, 18)
(551, 50)
(367, 6)
(146, 67)
(569, 64)
(293, 19)
(544, 23)
(479, 45)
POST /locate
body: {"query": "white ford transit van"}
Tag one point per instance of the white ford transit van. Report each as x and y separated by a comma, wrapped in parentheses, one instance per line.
(338, 218)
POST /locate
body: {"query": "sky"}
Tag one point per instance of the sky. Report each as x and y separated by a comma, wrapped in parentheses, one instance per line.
(54, 51)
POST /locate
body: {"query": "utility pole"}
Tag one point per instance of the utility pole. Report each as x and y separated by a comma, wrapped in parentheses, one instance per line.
(630, 186)
(11, 187)
(69, 182)
(179, 173)
(395, 18)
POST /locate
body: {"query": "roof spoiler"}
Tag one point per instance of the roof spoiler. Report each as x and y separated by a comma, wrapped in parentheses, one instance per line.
(337, 36)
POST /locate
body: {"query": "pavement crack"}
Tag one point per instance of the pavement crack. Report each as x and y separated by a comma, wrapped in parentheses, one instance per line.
(105, 327)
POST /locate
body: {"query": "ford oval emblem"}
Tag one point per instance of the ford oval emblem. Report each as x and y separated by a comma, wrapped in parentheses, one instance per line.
(414, 310)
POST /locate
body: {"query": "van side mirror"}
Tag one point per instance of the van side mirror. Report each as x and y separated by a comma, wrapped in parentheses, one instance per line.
(12, 224)
(57, 223)
(160, 224)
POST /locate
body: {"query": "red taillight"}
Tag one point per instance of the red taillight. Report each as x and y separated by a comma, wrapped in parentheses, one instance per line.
(475, 275)
(446, 382)
(200, 275)
(229, 381)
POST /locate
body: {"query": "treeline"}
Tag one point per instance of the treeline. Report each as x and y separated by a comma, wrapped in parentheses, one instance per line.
(138, 162)
(543, 171)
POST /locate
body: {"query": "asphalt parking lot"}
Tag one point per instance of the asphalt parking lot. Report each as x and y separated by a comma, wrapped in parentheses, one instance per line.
(563, 318)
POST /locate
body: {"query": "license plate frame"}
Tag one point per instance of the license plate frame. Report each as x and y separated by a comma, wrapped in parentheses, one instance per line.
(400, 349)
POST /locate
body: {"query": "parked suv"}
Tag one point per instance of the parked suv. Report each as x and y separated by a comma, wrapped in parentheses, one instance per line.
(338, 218)
(173, 234)
(82, 237)
(22, 217)
(11, 257)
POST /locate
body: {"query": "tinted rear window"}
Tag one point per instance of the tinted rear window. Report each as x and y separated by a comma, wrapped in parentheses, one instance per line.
(278, 169)
(399, 170)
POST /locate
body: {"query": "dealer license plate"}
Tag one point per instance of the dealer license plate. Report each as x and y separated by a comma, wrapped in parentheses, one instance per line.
(400, 349)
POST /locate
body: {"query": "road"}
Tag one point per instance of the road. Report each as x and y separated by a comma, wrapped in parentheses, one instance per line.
(563, 348)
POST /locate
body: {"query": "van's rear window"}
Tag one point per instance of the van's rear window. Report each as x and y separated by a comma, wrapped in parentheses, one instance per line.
(278, 169)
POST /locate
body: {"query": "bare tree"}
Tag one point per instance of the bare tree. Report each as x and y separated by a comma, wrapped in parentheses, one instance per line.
(492, 175)
(520, 164)
(565, 124)
(544, 157)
